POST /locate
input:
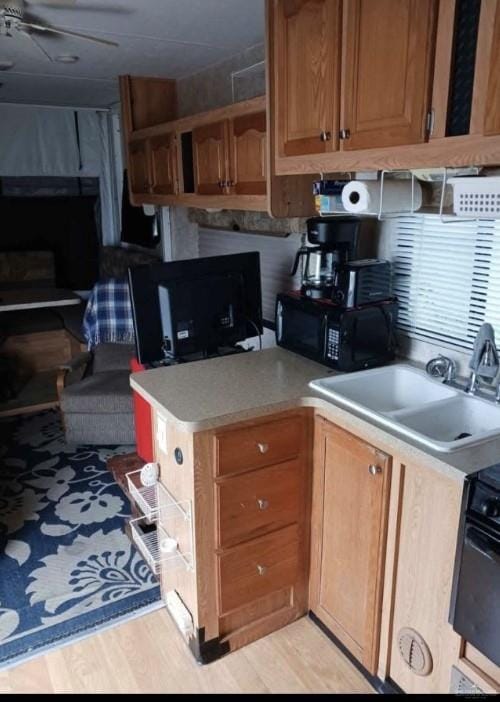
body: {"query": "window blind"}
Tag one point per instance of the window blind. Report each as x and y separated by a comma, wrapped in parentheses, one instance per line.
(447, 277)
(277, 255)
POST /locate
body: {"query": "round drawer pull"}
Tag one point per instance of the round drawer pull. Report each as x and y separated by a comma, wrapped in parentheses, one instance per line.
(374, 470)
(263, 448)
(262, 570)
(263, 504)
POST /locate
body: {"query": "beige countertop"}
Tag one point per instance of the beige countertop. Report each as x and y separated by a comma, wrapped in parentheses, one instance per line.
(220, 391)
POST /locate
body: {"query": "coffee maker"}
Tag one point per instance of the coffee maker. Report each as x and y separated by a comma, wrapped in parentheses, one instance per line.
(332, 242)
(330, 269)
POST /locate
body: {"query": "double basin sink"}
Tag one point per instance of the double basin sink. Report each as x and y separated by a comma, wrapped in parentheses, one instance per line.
(411, 403)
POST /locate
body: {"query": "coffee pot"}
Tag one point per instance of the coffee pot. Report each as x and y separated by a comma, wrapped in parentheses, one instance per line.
(331, 243)
(317, 270)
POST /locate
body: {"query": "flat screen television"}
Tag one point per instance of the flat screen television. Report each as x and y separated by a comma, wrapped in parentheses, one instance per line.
(195, 307)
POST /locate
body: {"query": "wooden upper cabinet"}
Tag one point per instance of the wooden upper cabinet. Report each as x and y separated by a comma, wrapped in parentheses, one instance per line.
(305, 48)
(248, 157)
(164, 165)
(485, 118)
(147, 102)
(210, 158)
(139, 165)
(350, 498)
(388, 49)
(388, 46)
(492, 116)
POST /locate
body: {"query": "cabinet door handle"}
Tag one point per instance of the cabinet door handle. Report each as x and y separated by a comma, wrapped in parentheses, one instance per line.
(345, 134)
(261, 570)
(263, 504)
(325, 136)
(263, 448)
(374, 470)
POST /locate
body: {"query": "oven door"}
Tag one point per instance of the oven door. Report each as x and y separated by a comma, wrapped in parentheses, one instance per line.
(477, 607)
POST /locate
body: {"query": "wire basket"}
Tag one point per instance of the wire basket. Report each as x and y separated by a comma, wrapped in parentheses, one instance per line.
(477, 198)
(145, 497)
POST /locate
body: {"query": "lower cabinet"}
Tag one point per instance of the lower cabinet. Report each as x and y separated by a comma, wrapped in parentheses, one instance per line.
(262, 504)
(349, 515)
(271, 521)
(424, 645)
(245, 490)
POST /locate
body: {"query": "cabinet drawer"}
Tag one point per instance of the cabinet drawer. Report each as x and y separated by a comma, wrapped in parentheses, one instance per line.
(258, 446)
(253, 504)
(258, 568)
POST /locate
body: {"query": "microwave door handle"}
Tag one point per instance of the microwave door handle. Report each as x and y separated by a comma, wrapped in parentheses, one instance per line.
(279, 321)
(483, 545)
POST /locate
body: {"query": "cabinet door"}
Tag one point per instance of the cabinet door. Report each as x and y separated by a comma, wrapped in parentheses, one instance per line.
(388, 47)
(350, 498)
(210, 158)
(429, 517)
(305, 42)
(139, 167)
(248, 161)
(492, 106)
(163, 165)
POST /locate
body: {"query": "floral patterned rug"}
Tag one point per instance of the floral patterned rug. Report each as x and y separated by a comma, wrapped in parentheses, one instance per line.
(67, 568)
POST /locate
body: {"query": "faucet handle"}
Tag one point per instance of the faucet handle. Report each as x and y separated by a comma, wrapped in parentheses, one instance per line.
(442, 367)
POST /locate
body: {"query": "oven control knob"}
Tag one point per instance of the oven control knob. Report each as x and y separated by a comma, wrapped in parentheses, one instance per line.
(490, 508)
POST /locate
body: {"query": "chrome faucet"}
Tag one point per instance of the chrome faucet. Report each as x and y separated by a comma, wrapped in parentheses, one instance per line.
(484, 362)
(473, 384)
(442, 367)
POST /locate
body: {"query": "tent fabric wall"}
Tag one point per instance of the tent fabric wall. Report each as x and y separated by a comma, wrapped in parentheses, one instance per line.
(38, 141)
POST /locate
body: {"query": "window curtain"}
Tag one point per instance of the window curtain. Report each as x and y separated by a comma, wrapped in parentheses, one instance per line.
(37, 141)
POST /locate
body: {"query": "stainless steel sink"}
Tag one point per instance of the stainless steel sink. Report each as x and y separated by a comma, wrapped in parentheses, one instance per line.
(411, 403)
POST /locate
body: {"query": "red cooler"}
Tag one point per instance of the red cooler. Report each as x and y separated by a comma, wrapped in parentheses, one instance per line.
(143, 420)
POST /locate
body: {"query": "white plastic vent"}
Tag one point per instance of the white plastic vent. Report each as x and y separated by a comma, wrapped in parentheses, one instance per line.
(415, 652)
(461, 685)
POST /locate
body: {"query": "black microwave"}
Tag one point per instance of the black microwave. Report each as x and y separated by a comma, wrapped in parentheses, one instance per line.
(344, 339)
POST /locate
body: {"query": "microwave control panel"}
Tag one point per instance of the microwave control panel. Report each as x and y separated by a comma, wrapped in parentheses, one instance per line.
(332, 349)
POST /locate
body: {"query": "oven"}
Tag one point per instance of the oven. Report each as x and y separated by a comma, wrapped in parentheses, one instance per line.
(475, 609)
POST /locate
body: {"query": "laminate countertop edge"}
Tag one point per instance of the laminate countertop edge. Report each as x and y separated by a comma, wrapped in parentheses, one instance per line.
(153, 387)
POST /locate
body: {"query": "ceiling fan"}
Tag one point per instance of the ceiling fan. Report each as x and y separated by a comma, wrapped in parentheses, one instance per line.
(16, 20)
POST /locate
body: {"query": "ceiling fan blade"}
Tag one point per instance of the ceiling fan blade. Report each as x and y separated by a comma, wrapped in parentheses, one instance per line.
(95, 6)
(67, 33)
(53, 3)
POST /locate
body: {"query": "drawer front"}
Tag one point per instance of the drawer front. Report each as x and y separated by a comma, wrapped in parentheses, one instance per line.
(257, 446)
(258, 568)
(256, 503)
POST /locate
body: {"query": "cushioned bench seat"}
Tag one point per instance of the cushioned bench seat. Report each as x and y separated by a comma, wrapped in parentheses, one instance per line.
(99, 408)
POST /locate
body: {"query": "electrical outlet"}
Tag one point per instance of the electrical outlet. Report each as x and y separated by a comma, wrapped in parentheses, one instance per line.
(161, 433)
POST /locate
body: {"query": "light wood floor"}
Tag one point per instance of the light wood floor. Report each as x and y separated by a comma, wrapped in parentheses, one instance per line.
(147, 655)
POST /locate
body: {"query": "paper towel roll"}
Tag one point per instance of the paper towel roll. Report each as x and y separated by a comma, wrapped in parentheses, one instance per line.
(360, 196)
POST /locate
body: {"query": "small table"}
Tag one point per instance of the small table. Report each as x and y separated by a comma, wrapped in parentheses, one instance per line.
(36, 298)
